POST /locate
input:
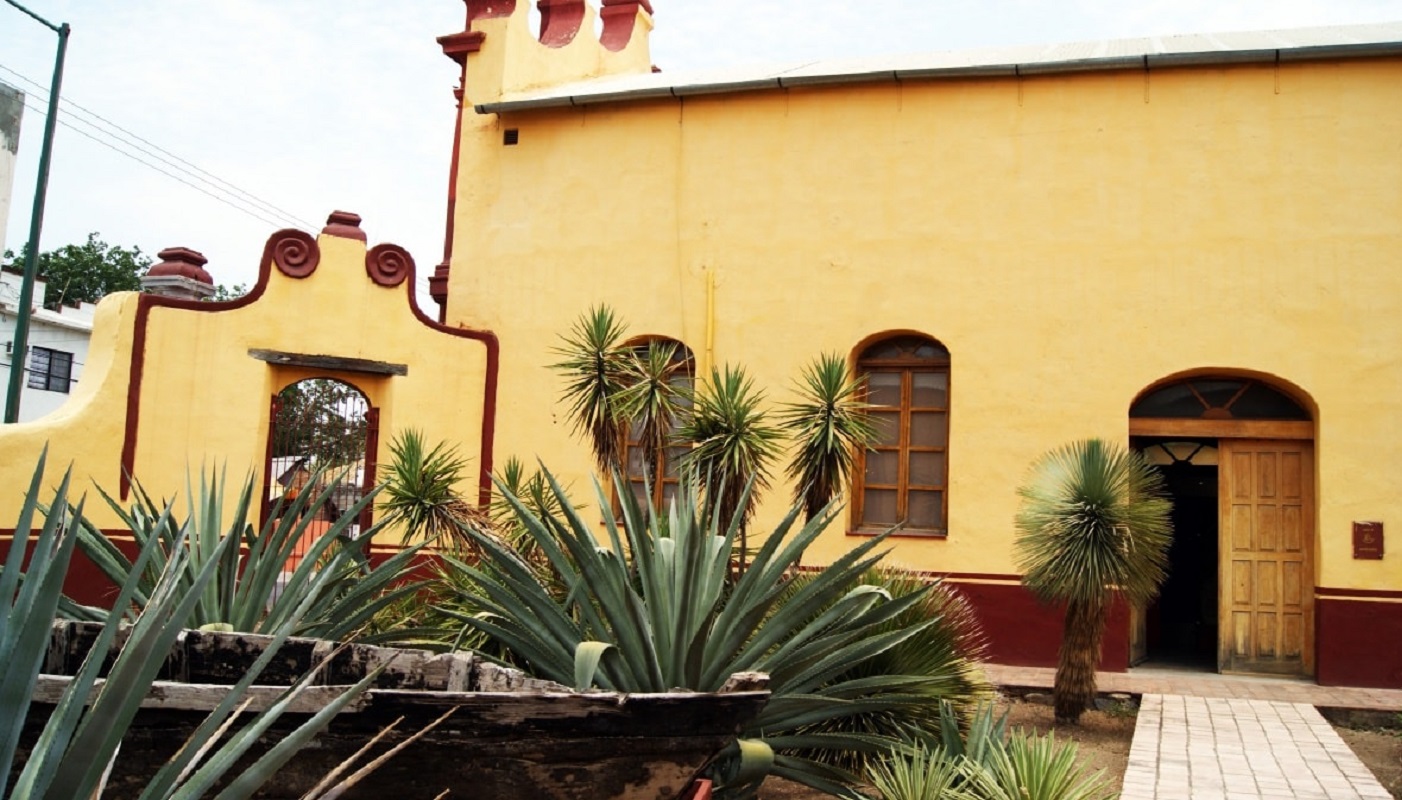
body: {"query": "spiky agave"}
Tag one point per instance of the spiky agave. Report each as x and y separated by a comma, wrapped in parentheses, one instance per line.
(1093, 521)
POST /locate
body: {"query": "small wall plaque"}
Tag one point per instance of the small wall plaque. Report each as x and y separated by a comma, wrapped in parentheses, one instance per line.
(1368, 540)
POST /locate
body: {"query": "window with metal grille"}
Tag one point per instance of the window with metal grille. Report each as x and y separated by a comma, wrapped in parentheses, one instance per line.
(50, 370)
(903, 478)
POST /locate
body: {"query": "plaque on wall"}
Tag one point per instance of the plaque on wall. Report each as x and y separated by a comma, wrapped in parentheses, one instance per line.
(1368, 540)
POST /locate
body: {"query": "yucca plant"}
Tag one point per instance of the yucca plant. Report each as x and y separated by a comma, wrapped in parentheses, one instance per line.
(252, 590)
(595, 369)
(1094, 521)
(79, 741)
(829, 424)
(650, 610)
(420, 496)
(653, 403)
(1031, 767)
(733, 446)
(916, 772)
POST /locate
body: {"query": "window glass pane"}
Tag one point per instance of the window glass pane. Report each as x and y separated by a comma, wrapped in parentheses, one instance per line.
(669, 491)
(930, 389)
(879, 507)
(1217, 393)
(928, 429)
(635, 462)
(926, 469)
(929, 349)
(883, 467)
(674, 457)
(38, 368)
(639, 492)
(926, 510)
(884, 388)
(1171, 401)
(1263, 402)
(888, 427)
(905, 347)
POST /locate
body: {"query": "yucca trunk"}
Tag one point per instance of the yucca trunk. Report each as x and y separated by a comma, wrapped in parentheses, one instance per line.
(1080, 653)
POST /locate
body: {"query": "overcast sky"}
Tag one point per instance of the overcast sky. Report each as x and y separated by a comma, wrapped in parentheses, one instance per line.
(313, 105)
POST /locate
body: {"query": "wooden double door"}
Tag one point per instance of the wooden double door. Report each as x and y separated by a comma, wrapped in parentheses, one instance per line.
(1266, 556)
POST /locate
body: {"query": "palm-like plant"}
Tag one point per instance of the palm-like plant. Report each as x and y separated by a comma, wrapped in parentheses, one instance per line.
(596, 370)
(828, 424)
(651, 401)
(1093, 521)
(733, 446)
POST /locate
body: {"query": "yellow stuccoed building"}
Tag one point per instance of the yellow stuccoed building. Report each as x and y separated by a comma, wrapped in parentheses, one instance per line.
(1187, 244)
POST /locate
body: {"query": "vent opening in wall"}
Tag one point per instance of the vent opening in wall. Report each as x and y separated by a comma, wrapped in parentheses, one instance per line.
(510, 136)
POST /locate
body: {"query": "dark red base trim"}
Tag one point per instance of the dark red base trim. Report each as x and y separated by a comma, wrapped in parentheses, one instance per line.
(1024, 632)
(1357, 643)
(1390, 594)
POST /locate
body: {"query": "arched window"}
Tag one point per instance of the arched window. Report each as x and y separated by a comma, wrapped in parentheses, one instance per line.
(665, 476)
(904, 477)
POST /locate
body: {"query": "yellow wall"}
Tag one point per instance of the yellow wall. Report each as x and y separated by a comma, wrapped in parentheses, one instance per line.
(205, 400)
(1071, 239)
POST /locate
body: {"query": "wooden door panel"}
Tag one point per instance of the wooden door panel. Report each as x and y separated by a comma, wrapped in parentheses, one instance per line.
(1267, 607)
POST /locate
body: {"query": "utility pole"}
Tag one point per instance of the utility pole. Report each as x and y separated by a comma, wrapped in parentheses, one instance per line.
(20, 352)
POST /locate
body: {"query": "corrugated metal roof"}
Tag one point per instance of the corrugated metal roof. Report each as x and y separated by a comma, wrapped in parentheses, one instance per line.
(1343, 41)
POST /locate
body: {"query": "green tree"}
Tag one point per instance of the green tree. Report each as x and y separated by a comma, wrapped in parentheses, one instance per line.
(321, 417)
(222, 292)
(1093, 521)
(86, 272)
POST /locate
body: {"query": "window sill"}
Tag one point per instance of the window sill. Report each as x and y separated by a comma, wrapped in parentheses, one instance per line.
(901, 534)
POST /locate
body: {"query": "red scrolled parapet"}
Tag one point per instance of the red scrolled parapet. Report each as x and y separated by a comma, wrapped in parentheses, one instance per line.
(620, 17)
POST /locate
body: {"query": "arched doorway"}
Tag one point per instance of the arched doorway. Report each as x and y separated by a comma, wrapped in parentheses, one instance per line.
(1237, 455)
(322, 434)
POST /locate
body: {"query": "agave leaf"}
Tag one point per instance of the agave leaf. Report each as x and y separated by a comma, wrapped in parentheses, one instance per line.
(586, 662)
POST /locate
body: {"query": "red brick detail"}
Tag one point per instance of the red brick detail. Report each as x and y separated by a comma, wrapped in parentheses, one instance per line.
(620, 18)
(388, 265)
(182, 262)
(295, 253)
(1357, 643)
(345, 225)
(560, 20)
(1024, 632)
(458, 46)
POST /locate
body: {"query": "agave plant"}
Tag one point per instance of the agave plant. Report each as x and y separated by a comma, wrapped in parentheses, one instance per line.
(596, 370)
(332, 591)
(945, 654)
(79, 741)
(651, 610)
(1094, 521)
(733, 446)
(829, 425)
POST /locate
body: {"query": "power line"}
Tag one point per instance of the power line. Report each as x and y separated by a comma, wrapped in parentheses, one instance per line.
(250, 212)
(174, 161)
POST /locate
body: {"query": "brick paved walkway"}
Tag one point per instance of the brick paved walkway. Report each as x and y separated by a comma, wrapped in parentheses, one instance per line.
(1206, 736)
(1215, 748)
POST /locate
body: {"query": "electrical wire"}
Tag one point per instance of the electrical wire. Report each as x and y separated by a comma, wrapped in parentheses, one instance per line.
(155, 151)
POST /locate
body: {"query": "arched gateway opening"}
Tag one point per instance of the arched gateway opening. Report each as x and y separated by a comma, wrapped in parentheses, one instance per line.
(1237, 455)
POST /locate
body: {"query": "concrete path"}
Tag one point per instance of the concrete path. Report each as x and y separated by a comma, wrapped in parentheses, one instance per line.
(1206, 736)
(1224, 749)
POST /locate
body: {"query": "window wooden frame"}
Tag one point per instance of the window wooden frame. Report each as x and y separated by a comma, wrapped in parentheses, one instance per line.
(907, 367)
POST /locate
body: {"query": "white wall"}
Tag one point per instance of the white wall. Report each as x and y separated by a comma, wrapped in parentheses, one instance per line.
(11, 112)
(67, 330)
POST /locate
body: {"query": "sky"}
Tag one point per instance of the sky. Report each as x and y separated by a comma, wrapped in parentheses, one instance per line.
(272, 113)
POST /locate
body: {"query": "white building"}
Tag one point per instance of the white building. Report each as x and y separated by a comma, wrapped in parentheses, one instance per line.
(58, 346)
(11, 112)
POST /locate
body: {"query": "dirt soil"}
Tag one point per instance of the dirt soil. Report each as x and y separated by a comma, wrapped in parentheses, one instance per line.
(1102, 743)
(1380, 749)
